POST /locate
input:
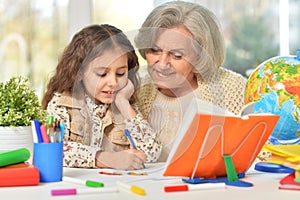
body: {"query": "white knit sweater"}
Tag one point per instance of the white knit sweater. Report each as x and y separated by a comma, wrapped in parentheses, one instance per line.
(224, 88)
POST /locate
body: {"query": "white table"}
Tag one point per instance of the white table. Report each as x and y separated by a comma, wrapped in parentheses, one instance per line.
(265, 187)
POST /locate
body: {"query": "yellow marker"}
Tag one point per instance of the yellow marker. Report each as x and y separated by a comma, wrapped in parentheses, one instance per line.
(137, 190)
(132, 188)
(137, 174)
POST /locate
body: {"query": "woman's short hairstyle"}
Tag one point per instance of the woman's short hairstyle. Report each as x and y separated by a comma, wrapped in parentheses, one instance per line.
(202, 24)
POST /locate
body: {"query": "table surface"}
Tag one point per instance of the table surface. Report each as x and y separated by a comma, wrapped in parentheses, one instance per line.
(265, 186)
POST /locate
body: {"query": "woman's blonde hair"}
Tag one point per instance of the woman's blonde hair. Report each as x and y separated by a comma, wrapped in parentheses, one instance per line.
(202, 24)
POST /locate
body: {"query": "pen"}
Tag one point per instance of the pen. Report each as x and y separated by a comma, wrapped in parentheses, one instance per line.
(203, 186)
(74, 191)
(132, 188)
(57, 131)
(127, 133)
(88, 183)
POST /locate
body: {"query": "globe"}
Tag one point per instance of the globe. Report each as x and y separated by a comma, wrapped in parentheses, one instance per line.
(275, 87)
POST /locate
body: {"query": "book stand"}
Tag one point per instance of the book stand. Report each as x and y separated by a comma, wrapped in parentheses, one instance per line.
(232, 178)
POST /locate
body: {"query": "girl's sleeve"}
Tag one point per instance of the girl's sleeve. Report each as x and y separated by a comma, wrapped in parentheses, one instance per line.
(144, 137)
(75, 154)
(79, 155)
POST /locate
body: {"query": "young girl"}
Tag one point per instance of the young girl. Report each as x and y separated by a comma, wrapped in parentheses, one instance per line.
(91, 93)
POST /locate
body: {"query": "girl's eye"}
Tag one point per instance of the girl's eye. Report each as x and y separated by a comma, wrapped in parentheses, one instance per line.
(101, 74)
(120, 74)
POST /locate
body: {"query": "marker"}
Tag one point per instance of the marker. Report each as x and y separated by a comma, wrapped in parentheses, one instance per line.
(74, 191)
(88, 183)
(50, 120)
(51, 133)
(38, 130)
(137, 174)
(203, 186)
(127, 133)
(62, 129)
(44, 133)
(34, 133)
(132, 188)
(111, 173)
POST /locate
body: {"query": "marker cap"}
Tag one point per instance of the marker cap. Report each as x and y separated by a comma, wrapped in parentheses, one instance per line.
(93, 184)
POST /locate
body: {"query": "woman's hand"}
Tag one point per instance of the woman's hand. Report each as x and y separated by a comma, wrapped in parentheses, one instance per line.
(129, 159)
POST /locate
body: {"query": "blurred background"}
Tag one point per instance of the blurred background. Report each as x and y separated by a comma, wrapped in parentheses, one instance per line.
(33, 33)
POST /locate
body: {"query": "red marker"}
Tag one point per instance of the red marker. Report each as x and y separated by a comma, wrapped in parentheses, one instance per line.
(202, 186)
(111, 173)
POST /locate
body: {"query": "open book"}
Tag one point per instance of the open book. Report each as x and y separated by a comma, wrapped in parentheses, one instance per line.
(209, 132)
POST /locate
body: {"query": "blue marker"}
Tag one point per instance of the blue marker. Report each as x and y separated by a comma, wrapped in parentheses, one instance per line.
(62, 130)
(38, 130)
(127, 133)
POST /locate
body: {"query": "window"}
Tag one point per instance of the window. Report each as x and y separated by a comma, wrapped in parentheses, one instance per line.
(33, 33)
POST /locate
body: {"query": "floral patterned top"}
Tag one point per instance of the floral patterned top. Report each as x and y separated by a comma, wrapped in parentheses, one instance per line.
(100, 132)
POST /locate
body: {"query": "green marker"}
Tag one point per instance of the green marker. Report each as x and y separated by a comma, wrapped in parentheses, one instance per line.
(50, 120)
(88, 183)
(14, 156)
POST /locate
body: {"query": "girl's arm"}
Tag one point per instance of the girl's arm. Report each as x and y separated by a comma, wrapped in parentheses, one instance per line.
(75, 154)
(84, 156)
(144, 137)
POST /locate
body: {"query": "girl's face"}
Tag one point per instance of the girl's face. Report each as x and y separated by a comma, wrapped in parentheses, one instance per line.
(106, 75)
(170, 62)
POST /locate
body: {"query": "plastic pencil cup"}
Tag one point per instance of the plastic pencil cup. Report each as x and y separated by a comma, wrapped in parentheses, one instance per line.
(48, 158)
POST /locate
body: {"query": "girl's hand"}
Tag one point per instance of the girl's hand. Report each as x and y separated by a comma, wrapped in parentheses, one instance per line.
(121, 103)
(129, 159)
(126, 92)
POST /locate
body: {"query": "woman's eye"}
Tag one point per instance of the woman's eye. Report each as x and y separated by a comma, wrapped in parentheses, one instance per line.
(176, 55)
(155, 50)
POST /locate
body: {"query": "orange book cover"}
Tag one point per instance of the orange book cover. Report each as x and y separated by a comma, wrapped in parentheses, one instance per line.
(204, 138)
(21, 174)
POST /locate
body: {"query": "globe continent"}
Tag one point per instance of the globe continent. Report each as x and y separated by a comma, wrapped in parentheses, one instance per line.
(275, 87)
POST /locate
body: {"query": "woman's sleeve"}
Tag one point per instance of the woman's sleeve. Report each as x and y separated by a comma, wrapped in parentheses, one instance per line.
(75, 154)
(144, 137)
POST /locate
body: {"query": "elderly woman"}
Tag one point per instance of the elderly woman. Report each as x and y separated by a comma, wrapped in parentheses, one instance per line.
(184, 48)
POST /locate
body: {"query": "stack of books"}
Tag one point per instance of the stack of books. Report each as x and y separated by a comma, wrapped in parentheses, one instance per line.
(15, 171)
(289, 156)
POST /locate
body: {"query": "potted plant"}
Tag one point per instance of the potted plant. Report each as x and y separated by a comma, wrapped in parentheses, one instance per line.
(19, 106)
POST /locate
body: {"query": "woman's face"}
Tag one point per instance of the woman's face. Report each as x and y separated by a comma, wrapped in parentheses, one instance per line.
(170, 61)
(106, 75)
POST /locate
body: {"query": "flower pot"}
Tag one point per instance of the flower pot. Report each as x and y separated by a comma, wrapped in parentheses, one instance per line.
(16, 137)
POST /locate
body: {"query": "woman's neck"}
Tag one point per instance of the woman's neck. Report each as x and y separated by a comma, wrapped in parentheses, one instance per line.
(180, 91)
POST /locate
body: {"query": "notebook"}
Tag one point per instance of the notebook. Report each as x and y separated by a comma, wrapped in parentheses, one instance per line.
(21, 174)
